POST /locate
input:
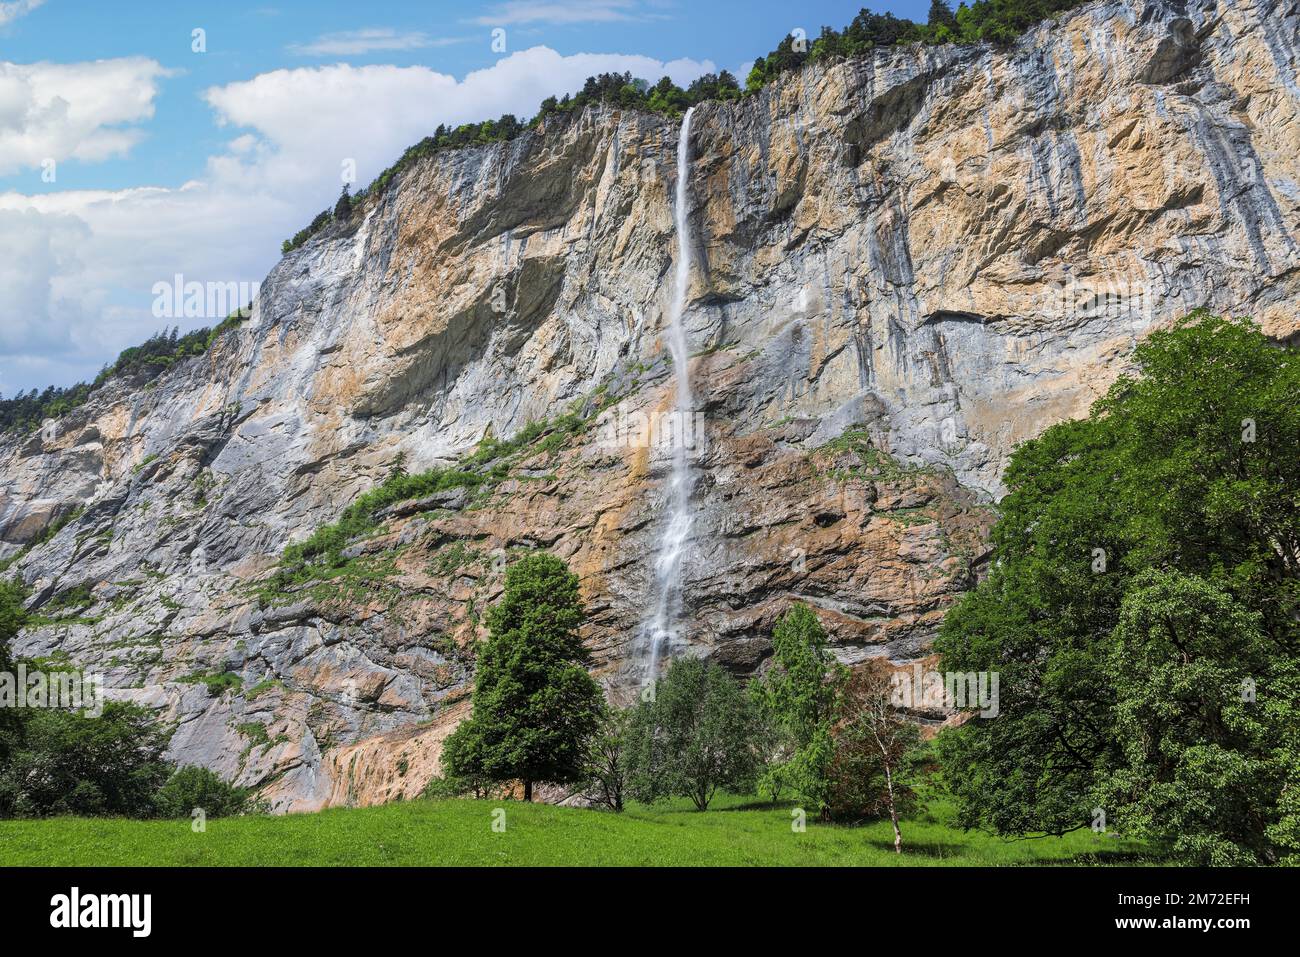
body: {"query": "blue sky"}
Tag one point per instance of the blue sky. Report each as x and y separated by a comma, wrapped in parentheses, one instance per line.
(126, 157)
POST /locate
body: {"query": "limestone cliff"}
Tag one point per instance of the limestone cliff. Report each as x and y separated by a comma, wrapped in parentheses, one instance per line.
(906, 264)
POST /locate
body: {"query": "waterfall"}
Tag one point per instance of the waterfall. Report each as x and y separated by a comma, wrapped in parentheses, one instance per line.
(661, 627)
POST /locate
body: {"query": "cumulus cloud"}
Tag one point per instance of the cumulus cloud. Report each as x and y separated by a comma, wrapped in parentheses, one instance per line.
(309, 121)
(356, 42)
(83, 111)
(83, 263)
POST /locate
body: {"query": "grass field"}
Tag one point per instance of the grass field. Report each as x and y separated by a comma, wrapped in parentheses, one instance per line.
(735, 831)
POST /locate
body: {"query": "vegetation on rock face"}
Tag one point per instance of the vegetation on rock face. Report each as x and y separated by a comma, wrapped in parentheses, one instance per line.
(535, 706)
(993, 21)
(359, 518)
(1143, 610)
(488, 464)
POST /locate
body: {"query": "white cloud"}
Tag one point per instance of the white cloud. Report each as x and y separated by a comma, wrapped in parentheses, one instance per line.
(10, 12)
(356, 42)
(558, 11)
(81, 111)
(82, 264)
(310, 120)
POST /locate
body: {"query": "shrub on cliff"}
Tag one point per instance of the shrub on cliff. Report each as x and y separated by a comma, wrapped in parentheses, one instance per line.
(1143, 611)
(535, 705)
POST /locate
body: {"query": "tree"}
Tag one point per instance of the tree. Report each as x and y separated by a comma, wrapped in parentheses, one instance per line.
(796, 699)
(1200, 774)
(343, 208)
(535, 706)
(873, 742)
(941, 15)
(1191, 466)
(69, 764)
(695, 737)
(607, 758)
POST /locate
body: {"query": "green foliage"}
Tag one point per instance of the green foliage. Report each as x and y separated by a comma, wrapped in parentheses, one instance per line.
(993, 21)
(796, 699)
(535, 706)
(1203, 762)
(607, 759)
(343, 208)
(359, 519)
(194, 787)
(217, 684)
(262, 687)
(66, 763)
(1191, 468)
(462, 751)
(12, 618)
(552, 432)
(255, 732)
(696, 737)
(875, 766)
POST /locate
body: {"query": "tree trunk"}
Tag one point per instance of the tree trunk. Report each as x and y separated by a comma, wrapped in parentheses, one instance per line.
(528, 790)
(893, 812)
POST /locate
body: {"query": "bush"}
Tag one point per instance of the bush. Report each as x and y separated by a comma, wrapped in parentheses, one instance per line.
(607, 759)
(65, 763)
(194, 787)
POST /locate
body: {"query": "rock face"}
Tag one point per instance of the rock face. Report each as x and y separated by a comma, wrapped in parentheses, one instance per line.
(906, 264)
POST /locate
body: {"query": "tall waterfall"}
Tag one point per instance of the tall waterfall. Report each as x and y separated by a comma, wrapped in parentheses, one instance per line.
(661, 627)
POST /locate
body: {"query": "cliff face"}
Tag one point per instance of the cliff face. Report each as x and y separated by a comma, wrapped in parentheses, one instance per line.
(904, 266)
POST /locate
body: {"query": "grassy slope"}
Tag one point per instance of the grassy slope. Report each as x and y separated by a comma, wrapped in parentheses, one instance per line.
(459, 833)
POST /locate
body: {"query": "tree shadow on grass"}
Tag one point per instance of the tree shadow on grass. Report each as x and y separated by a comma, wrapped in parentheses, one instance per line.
(759, 805)
(938, 850)
(930, 849)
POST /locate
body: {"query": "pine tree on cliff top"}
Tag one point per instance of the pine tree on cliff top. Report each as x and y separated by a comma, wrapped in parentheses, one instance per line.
(535, 706)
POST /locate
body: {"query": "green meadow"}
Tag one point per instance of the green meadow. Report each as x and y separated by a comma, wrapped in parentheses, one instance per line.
(735, 831)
